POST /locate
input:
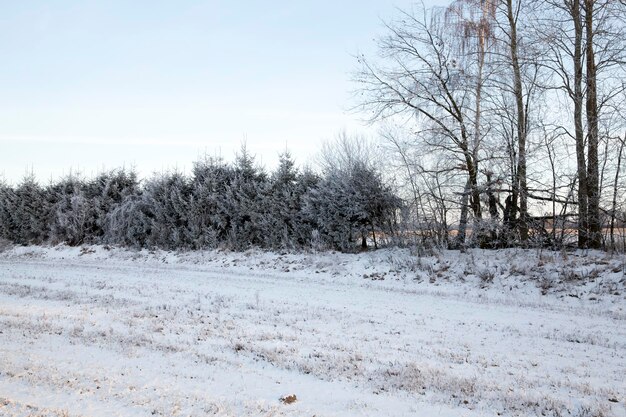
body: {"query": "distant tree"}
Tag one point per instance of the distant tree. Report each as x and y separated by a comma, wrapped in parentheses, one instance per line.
(351, 199)
(130, 223)
(165, 205)
(584, 44)
(210, 219)
(155, 216)
(246, 201)
(105, 192)
(306, 232)
(352, 204)
(374, 204)
(347, 150)
(284, 203)
(8, 228)
(28, 212)
(431, 77)
(71, 211)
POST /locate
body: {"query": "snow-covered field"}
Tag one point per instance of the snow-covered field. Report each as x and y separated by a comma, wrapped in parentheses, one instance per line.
(98, 331)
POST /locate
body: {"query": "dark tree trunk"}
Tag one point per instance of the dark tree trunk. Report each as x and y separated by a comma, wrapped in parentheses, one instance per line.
(615, 184)
(460, 239)
(374, 237)
(519, 186)
(593, 188)
(493, 211)
(583, 220)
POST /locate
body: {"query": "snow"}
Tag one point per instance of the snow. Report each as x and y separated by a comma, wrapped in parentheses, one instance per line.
(100, 331)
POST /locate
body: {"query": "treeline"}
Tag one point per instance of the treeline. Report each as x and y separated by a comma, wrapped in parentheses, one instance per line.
(504, 122)
(220, 205)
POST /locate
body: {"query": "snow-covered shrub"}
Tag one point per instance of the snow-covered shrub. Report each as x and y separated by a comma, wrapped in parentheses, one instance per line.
(231, 205)
(104, 193)
(352, 203)
(209, 222)
(129, 223)
(326, 207)
(204, 183)
(70, 211)
(27, 212)
(283, 206)
(246, 202)
(166, 202)
(7, 200)
(486, 275)
(156, 216)
(284, 224)
(73, 219)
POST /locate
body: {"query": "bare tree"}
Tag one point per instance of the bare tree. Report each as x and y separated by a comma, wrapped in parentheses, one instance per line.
(346, 150)
(425, 80)
(511, 11)
(585, 41)
(562, 31)
(472, 33)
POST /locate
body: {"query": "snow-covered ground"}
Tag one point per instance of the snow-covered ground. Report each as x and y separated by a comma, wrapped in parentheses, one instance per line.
(98, 331)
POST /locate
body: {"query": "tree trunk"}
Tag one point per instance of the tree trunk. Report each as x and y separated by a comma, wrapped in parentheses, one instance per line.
(593, 189)
(374, 237)
(493, 212)
(615, 184)
(519, 185)
(472, 165)
(463, 218)
(583, 221)
(553, 170)
(474, 191)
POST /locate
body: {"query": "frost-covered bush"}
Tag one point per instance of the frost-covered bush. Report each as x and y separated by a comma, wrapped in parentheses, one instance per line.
(166, 202)
(7, 200)
(285, 225)
(228, 204)
(25, 210)
(352, 203)
(70, 211)
(105, 192)
(155, 216)
(209, 221)
(72, 219)
(246, 203)
(239, 205)
(80, 208)
(128, 223)
(235, 206)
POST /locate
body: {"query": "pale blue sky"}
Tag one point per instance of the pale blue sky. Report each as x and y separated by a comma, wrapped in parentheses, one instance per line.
(97, 84)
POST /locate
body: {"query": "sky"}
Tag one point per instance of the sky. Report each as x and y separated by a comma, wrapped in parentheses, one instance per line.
(154, 85)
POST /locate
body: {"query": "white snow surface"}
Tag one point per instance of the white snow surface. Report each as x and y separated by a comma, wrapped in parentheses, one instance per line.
(100, 331)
